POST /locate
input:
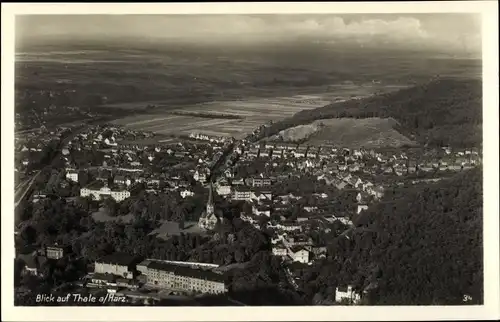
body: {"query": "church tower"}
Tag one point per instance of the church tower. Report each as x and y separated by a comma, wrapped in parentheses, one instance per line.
(209, 219)
(210, 202)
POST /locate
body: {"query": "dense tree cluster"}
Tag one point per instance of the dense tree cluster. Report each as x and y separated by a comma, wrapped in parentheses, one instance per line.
(441, 112)
(419, 245)
(236, 241)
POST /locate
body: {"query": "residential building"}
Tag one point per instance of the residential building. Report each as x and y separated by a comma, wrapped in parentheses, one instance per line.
(119, 180)
(32, 262)
(200, 176)
(277, 153)
(242, 193)
(299, 254)
(101, 280)
(120, 264)
(237, 182)
(287, 146)
(183, 278)
(346, 293)
(279, 250)
(261, 196)
(223, 189)
(54, 252)
(269, 145)
(72, 175)
(259, 210)
(260, 182)
(290, 226)
(361, 208)
(186, 193)
(104, 192)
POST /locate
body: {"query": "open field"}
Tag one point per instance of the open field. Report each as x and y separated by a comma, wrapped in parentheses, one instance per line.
(348, 132)
(102, 216)
(258, 84)
(253, 113)
(171, 228)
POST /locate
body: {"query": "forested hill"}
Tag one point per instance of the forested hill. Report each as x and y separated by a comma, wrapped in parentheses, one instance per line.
(421, 245)
(441, 112)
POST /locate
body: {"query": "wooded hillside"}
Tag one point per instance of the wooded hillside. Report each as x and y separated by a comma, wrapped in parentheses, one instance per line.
(420, 245)
(439, 113)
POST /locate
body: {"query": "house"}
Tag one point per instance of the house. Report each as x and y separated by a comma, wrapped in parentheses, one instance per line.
(264, 153)
(101, 280)
(303, 218)
(228, 173)
(289, 226)
(346, 294)
(269, 145)
(32, 262)
(153, 182)
(242, 193)
(127, 283)
(299, 240)
(361, 208)
(119, 180)
(72, 175)
(319, 251)
(37, 196)
(54, 252)
(260, 182)
(186, 193)
(287, 146)
(253, 152)
(299, 254)
(261, 196)
(223, 189)
(310, 208)
(200, 176)
(299, 154)
(340, 184)
(277, 153)
(259, 210)
(280, 250)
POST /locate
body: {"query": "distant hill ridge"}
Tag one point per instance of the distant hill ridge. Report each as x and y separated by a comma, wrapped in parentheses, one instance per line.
(439, 113)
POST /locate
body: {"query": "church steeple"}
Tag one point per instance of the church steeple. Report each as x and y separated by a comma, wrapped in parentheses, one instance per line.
(210, 202)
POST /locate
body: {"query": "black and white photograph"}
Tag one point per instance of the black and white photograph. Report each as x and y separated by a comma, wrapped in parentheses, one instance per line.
(249, 160)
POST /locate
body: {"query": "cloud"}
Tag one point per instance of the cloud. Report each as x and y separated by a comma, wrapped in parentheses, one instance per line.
(397, 29)
(226, 26)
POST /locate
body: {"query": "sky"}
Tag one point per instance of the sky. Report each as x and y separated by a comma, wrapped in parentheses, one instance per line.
(445, 32)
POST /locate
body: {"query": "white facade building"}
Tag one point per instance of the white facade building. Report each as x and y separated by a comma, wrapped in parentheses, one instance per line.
(223, 190)
(301, 255)
(186, 193)
(72, 175)
(118, 195)
(346, 294)
(242, 194)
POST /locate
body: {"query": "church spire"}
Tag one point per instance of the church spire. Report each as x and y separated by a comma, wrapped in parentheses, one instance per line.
(210, 196)
(210, 202)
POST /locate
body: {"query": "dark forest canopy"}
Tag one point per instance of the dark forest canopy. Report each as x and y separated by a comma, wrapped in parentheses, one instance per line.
(420, 245)
(439, 113)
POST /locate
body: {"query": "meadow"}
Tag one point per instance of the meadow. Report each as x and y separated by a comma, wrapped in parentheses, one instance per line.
(249, 114)
(349, 132)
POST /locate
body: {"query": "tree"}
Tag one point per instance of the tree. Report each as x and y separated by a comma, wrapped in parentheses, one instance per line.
(111, 206)
(29, 235)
